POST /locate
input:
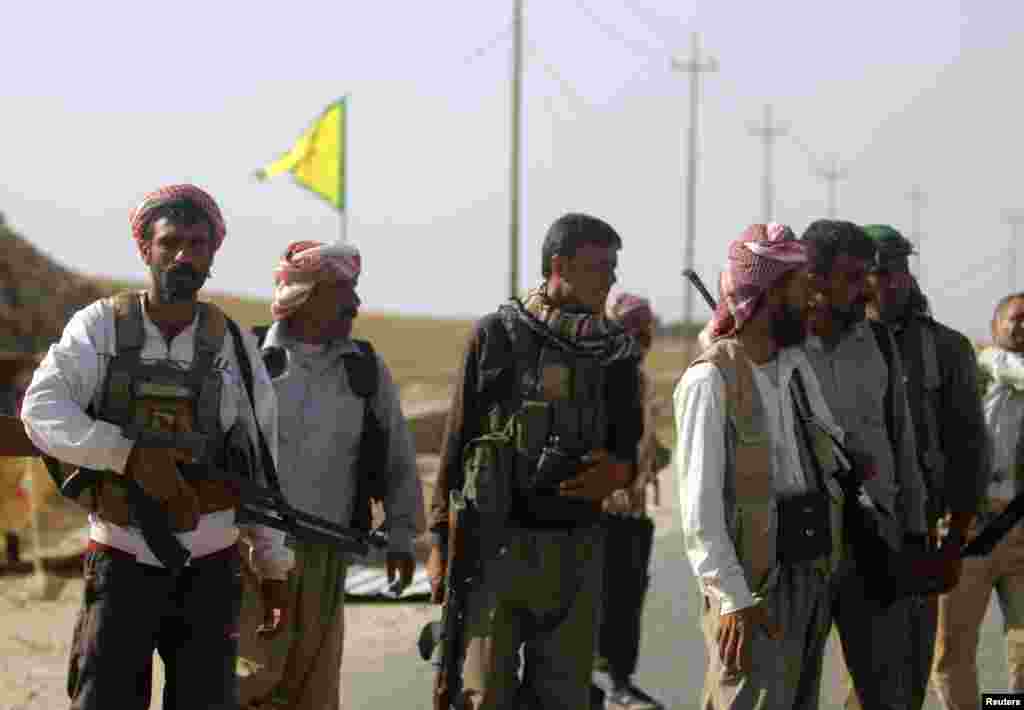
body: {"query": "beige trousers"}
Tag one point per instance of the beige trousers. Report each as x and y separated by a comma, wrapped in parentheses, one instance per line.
(786, 673)
(301, 668)
(961, 611)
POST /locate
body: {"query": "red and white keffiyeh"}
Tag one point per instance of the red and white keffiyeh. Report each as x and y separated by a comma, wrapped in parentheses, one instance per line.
(632, 312)
(306, 263)
(759, 258)
(140, 215)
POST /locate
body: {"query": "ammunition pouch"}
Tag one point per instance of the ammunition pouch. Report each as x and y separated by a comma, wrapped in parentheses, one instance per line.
(488, 464)
(804, 528)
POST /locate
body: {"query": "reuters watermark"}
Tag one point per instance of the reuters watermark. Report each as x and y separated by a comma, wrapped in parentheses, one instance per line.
(1002, 700)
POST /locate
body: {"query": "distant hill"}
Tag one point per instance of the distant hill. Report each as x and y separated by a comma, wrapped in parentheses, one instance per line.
(37, 294)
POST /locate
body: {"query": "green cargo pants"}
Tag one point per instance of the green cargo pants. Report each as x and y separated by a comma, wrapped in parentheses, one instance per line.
(542, 595)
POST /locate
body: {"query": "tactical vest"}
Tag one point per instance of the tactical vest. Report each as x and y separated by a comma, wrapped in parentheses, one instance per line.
(751, 505)
(560, 409)
(164, 396)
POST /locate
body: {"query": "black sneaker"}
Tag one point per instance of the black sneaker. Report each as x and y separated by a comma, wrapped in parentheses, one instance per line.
(629, 697)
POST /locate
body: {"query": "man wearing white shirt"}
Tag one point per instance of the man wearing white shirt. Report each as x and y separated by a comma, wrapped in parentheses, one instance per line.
(962, 609)
(159, 360)
(747, 465)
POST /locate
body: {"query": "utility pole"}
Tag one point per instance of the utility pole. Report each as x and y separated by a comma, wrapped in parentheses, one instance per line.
(1015, 220)
(831, 174)
(514, 179)
(695, 66)
(917, 200)
(768, 131)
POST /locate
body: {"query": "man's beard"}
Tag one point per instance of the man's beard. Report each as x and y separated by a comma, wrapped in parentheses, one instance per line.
(848, 316)
(788, 327)
(179, 283)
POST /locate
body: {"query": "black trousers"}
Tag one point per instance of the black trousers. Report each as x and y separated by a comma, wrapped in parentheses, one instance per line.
(130, 610)
(628, 543)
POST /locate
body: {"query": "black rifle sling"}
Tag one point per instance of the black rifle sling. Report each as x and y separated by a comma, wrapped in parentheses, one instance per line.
(884, 340)
(242, 355)
(372, 480)
(802, 408)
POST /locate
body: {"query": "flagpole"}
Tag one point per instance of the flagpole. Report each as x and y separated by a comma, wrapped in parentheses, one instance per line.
(343, 236)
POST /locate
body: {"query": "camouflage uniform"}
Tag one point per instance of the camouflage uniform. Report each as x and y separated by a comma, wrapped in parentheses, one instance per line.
(541, 588)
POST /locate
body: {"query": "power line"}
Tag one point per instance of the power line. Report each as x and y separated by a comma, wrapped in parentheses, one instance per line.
(973, 271)
(484, 49)
(567, 89)
(649, 20)
(614, 33)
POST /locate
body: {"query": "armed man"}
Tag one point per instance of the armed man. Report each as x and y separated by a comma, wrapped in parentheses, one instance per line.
(758, 492)
(861, 376)
(962, 609)
(546, 417)
(343, 441)
(161, 366)
(942, 391)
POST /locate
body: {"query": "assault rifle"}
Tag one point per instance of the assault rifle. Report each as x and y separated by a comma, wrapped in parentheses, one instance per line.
(258, 504)
(463, 571)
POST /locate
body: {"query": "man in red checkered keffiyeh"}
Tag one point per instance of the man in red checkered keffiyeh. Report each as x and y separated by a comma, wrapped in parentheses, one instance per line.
(760, 257)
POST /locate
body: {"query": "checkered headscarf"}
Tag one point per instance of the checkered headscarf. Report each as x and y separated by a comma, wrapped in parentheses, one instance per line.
(140, 215)
(762, 255)
(306, 263)
(633, 312)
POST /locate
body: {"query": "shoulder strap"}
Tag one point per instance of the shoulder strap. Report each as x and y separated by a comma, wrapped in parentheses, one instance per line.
(804, 414)
(242, 356)
(260, 331)
(884, 340)
(210, 331)
(527, 378)
(128, 326)
(362, 371)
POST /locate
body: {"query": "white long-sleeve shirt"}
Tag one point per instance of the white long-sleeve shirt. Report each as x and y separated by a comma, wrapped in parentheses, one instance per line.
(321, 422)
(1004, 414)
(700, 462)
(71, 377)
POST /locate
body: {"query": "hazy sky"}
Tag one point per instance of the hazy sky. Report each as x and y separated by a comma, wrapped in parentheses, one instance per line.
(101, 104)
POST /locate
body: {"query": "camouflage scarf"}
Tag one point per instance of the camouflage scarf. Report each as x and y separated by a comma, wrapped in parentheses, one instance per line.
(574, 328)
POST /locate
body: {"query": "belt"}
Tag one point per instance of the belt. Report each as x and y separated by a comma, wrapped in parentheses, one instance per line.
(218, 557)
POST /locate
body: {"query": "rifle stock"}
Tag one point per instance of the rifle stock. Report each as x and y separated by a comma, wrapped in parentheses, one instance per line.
(459, 575)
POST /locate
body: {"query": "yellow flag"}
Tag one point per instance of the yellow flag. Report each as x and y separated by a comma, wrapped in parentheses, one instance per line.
(317, 160)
